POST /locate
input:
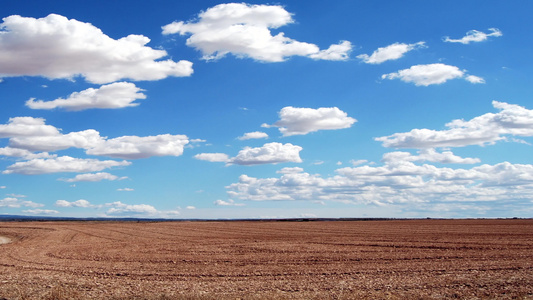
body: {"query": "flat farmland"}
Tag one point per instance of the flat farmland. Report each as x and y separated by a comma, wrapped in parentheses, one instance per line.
(396, 259)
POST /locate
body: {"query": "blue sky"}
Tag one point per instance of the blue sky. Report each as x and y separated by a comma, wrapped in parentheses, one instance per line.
(209, 109)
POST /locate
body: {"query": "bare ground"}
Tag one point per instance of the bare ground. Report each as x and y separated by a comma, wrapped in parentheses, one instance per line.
(403, 259)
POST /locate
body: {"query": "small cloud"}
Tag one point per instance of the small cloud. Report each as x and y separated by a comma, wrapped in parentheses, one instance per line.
(474, 79)
(293, 170)
(93, 177)
(40, 211)
(391, 52)
(227, 203)
(13, 202)
(190, 207)
(2, 187)
(125, 190)
(301, 121)
(17, 195)
(78, 203)
(212, 157)
(358, 162)
(253, 135)
(474, 36)
(318, 162)
(270, 153)
(111, 96)
(424, 75)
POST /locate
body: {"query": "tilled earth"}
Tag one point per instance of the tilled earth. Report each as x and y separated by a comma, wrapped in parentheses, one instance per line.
(398, 259)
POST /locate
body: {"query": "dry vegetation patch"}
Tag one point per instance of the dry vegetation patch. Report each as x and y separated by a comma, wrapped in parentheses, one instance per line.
(401, 259)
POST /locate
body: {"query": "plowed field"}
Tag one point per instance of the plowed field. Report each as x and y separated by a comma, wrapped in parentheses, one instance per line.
(400, 259)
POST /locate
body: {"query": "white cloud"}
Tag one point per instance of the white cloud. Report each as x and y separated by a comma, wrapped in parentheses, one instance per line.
(486, 129)
(13, 202)
(270, 153)
(244, 31)
(79, 139)
(62, 164)
(33, 134)
(78, 203)
(300, 121)
(25, 127)
(79, 49)
(339, 51)
(227, 203)
(396, 182)
(40, 211)
(190, 207)
(212, 157)
(119, 208)
(431, 155)
(134, 147)
(290, 170)
(114, 95)
(391, 52)
(474, 79)
(474, 36)
(16, 152)
(126, 190)
(93, 177)
(357, 162)
(253, 135)
(424, 75)
(2, 187)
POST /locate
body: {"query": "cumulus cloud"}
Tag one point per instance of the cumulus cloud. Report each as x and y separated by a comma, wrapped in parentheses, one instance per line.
(300, 121)
(33, 134)
(62, 164)
(253, 135)
(79, 49)
(119, 208)
(78, 203)
(424, 75)
(13, 202)
(93, 177)
(475, 36)
(212, 157)
(26, 154)
(431, 155)
(114, 95)
(26, 126)
(227, 203)
(79, 139)
(270, 153)
(486, 129)
(391, 52)
(396, 182)
(290, 170)
(334, 52)
(244, 31)
(134, 147)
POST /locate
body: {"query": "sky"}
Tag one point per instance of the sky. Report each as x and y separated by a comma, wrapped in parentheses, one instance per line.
(292, 109)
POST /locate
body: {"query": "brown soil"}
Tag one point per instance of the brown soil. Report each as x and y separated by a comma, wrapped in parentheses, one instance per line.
(404, 259)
